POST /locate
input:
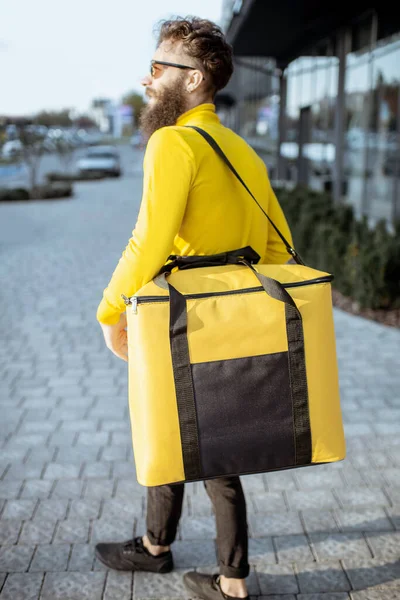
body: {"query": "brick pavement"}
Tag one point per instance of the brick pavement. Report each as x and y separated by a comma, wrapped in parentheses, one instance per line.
(66, 472)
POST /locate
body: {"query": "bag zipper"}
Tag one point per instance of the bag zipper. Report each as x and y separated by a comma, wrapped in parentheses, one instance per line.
(135, 300)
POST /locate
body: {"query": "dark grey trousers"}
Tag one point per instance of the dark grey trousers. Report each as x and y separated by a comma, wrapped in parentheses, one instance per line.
(164, 508)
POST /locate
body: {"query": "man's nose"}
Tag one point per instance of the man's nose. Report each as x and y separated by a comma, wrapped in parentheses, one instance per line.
(146, 80)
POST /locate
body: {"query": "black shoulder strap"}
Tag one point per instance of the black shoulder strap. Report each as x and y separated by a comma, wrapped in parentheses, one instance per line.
(220, 153)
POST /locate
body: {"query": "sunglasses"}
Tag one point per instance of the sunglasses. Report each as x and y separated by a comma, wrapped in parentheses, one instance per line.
(155, 73)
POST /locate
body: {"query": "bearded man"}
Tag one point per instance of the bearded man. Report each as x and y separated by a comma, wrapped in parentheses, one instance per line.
(191, 205)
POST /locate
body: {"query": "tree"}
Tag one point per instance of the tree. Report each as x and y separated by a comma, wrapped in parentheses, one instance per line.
(137, 102)
(54, 118)
(32, 140)
(65, 150)
(84, 122)
(64, 118)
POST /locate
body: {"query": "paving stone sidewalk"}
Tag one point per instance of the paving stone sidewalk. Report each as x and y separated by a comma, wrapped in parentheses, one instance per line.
(66, 470)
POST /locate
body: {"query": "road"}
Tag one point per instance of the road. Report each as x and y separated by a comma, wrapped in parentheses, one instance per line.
(67, 478)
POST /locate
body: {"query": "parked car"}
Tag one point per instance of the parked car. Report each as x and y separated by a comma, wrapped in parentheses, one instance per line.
(14, 178)
(11, 148)
(103, 159)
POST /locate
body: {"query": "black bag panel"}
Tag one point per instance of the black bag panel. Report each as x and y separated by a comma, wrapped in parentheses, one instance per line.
(244, 414)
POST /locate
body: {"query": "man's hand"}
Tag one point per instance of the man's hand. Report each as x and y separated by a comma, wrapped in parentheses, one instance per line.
(116, 338)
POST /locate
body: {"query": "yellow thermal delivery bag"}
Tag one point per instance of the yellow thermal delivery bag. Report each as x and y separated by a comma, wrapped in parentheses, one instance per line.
(232, 368)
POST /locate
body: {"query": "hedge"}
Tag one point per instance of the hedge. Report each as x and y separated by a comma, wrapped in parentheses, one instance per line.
(41, 192)
(7, 195)
(365, 261)
(88, 176)
(53, 190)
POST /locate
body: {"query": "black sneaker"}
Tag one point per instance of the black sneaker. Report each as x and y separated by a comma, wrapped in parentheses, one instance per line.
(133, 556)
(206, 586)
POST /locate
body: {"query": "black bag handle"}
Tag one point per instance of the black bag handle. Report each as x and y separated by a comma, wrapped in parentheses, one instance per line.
(220, 153)
(232, 257)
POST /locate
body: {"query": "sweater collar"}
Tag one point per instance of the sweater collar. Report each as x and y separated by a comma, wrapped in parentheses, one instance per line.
(202, 112)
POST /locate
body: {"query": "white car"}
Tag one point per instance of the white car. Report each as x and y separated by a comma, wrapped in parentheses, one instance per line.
(103, 159)
(11, 148)
(15, 176)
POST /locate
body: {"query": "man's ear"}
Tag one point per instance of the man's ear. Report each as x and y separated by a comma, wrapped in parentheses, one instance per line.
(196, 77)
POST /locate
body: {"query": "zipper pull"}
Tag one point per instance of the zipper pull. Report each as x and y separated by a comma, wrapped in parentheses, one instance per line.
(133, 301)
(126, 299)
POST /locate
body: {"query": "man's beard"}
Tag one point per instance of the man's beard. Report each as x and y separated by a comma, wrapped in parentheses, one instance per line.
(169, 105)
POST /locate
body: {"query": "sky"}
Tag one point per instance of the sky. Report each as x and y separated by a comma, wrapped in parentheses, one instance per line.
(56, 54)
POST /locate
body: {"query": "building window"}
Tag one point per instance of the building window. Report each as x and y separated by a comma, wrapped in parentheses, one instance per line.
(372, 148)
(290, 147)
(323, 110)
(357, 89)
(258, 88)
(383, 140)
(310, 116)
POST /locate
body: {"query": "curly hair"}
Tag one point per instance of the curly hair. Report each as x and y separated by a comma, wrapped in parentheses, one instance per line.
(205, 42)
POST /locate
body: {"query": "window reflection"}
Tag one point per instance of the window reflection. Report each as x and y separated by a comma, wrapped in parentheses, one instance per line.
(383, 145)
(259, 107)
(372, 145)
(310, 124)
(357, 108)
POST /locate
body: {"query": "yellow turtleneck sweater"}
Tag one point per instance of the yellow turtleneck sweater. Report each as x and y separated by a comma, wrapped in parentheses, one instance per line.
(193, 204)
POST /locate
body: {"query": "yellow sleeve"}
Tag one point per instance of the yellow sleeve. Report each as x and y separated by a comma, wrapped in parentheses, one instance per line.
(168, 173)
(275, 252)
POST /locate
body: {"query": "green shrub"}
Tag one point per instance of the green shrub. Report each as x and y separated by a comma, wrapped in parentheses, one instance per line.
(88, 176)
(41, 192)
(52, 191)
(365, 261)
(392, 269)
(10, 195)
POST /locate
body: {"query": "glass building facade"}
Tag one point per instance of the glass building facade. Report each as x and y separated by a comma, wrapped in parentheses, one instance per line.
(372, 144)
(330, 119)
(254, 112)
